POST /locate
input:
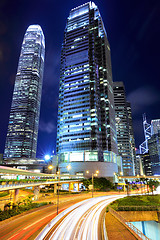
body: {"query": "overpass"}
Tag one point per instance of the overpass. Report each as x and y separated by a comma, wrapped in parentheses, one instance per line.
(138, 177)
(55, 179)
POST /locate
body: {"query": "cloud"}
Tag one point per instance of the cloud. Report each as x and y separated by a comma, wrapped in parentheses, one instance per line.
(143, 31)
(47, 127)
(143, 97)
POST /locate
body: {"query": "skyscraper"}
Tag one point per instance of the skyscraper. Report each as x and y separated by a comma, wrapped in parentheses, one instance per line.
(155, 126)
(143, 147)
(86, 119)
(22, 132)
(124, 128)
(154, 153)
(154, 147)
(131, 135)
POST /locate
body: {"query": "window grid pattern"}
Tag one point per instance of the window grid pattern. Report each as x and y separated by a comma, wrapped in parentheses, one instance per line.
(22, 132)
(86, 117)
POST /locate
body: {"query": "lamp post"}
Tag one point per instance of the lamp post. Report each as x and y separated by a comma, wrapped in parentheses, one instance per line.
(58, 175)
(50, 167)
(92, 185)
(58, 192)
(93, 174)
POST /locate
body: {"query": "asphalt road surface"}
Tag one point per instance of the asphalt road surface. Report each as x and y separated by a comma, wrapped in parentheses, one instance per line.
(81, 221)
(29, 225)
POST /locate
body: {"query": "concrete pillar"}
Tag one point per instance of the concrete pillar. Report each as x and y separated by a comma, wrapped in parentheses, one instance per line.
(15, 196)
(36, 192)
(55, 188)
(77, 186)
(70, 186)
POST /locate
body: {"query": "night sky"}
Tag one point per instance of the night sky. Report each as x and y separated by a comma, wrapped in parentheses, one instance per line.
(133, 28)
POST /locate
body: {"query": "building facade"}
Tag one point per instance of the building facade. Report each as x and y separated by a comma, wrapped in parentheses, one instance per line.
(125, 138)
(143, 147)
(131, 135)
(21, 140)
(146, 164)
(154, 153)
(150, 148)
(86, 118)
(155, 126)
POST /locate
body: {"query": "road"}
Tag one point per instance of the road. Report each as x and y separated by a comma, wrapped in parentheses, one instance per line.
(31, 223)
(81, 221)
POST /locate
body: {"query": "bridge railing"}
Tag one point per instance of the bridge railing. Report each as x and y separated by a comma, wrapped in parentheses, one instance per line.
(135, 231)
(20, 184)
(137, 208)
(37, 183)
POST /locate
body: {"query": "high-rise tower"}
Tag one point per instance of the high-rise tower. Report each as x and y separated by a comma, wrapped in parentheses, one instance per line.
(125, 138)
(22, 132)
(86, 118)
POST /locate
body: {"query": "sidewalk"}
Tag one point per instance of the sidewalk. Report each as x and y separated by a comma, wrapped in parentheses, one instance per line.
(116, 230)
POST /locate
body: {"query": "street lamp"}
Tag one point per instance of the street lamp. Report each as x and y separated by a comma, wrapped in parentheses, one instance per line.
(58, 192)
(69, 167)
(50, 167)
(93, 174)
(47, 157)
(58, 173)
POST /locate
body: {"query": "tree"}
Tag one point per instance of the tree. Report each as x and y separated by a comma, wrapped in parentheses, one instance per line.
(87, 182)
(153, 184)
(101, 184)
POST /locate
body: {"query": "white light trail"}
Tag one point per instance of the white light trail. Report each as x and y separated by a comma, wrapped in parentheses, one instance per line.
(81, 221)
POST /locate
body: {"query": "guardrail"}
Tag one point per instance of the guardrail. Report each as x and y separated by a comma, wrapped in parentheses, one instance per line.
(136, 232)
(103, 228)
(21, 185)
(137, 208)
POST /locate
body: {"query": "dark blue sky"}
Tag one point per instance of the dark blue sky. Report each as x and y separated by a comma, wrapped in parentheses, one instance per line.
(133, 29)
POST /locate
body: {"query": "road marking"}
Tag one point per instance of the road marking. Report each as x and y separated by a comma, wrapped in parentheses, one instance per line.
(22, 230)
(38, 221)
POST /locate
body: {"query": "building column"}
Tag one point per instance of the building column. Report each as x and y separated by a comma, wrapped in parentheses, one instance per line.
(55, 188)
(70, 186)
(15, 196)
(36, 192)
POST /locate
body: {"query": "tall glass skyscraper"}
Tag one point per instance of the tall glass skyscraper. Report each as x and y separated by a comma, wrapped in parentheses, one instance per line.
(125, 136)
(86, 119)
(22, 132)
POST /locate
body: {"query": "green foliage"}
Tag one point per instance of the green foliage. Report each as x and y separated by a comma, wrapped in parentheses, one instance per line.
(3, 194)
(12, 209)
(87, 182)
(139, 203)
(100, 184)
(153, 184)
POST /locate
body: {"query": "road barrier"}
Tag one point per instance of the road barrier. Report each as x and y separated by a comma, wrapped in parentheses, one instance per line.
(135, 231)
(137, 208)
(30, 184)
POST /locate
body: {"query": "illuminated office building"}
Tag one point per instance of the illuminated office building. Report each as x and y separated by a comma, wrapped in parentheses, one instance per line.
(125, 138)
(86, 119)
(154, 147)
(131, 136)
(22, 132)
(155, 126)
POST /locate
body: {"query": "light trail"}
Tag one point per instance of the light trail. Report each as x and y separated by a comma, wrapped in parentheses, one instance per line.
(79, 222)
